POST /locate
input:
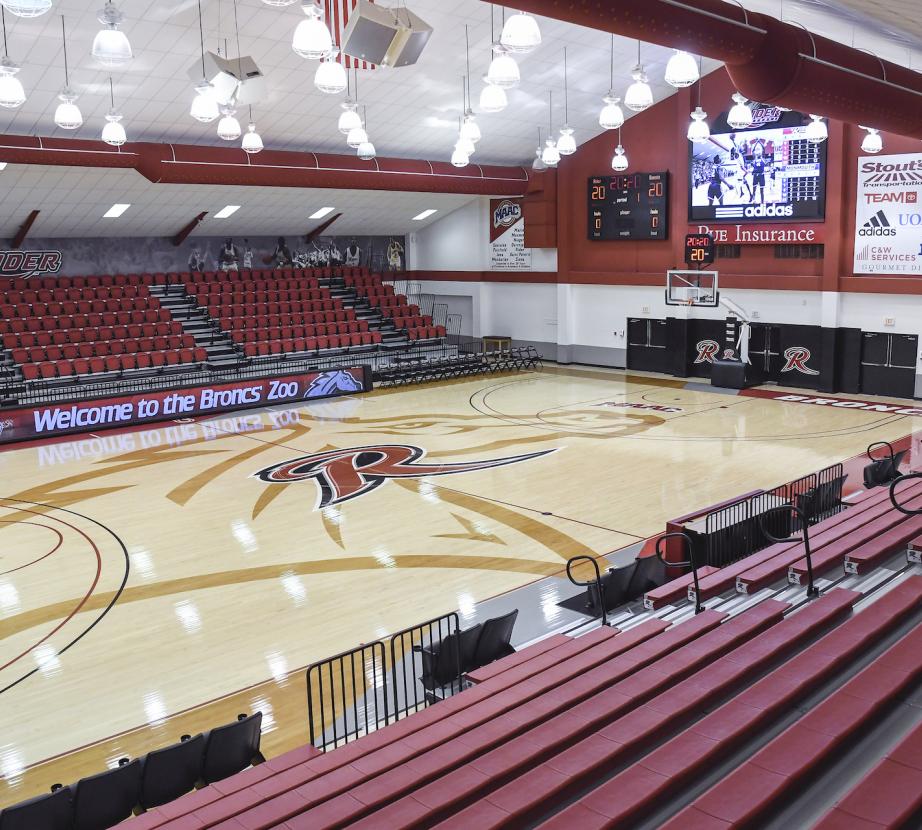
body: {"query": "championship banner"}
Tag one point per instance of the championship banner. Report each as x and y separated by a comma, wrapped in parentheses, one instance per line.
(888, 215)
(109, 413)
(507, 236)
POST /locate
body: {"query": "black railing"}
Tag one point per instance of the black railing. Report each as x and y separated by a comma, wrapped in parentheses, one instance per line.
(735, 531)
(901, 505)
(426, 664)
(793, 517)
(691, 562)
(596, 585)
(361, 690)
(347, 695)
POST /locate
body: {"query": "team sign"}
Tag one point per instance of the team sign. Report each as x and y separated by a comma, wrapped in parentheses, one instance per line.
(44, 421)
(888, 215)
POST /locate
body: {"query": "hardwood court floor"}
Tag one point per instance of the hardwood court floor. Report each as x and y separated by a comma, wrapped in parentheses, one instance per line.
(151, 585)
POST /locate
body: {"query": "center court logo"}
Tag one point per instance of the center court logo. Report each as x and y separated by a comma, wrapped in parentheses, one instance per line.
(346, 474)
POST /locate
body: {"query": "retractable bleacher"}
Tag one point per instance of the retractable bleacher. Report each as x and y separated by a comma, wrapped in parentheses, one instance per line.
(622, 728)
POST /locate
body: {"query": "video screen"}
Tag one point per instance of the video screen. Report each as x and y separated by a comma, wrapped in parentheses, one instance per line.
(758, 175)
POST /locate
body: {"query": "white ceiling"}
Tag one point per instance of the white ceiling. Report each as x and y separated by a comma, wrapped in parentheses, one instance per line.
(412, 111)
(72, 201)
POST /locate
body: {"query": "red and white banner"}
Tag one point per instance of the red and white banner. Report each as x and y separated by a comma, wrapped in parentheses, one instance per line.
(790, 233)
(110, 413)
(507, 236)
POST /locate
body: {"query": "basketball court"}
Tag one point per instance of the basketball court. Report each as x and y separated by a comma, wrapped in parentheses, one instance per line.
(153, 576)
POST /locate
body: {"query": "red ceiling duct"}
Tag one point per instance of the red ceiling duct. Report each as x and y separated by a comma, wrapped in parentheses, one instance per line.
(190, 164)
(768, 60)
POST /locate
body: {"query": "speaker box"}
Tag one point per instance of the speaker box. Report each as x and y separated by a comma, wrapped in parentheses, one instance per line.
(386, 37)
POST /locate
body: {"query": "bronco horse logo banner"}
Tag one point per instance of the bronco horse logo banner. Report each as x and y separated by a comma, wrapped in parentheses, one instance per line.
(346, 474)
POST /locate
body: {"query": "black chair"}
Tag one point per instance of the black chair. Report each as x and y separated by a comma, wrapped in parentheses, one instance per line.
(495, 639)
(105, 799)
(614, 588)
(48, 812)
(444, 662)
(649, 573)
(168, 773)
(232, 748)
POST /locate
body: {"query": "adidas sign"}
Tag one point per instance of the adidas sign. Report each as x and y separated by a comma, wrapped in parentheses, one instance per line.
(877, 225)
(762, 211)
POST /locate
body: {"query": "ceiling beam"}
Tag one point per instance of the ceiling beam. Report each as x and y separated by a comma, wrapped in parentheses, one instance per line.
(24, 229)
(322, 227)
(187, 229)
(194, 164)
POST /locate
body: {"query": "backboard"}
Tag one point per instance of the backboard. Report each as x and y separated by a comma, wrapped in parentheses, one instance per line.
(692, 288)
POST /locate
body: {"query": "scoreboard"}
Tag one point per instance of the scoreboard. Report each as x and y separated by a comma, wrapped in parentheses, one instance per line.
(629, 206)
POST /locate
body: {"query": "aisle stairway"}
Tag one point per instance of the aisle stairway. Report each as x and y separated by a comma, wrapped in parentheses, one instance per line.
(198, 323)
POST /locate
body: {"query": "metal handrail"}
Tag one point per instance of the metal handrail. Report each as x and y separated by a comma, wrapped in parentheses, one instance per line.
(690, 563)
(598, 581)
(886, 444)
(812, 590)
(904, 510)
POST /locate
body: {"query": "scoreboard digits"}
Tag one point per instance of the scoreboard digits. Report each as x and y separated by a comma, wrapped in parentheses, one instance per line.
(629, 206)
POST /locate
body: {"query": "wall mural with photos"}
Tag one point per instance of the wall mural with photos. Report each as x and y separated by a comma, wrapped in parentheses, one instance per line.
(206, 253)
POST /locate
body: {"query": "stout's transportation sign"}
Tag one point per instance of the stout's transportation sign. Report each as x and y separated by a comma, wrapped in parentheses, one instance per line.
(888, 215)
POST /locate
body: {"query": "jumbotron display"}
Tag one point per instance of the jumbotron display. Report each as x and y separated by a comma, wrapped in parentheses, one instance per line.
(630, 206)
(768, 172)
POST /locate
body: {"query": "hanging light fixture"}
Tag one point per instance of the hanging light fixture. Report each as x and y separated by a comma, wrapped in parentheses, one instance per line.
(639, 96)
(67, 116)
(698, 129)
(349, 118)
(113, 132)
(493, 98)
(110, 46)
(538, 164)
(252, 141)
(465, 145)
(228, 126)
(26, 8)
(503, 71)
(459, 158)
(12, 94)
(566, 144)
(469, 128)
(520, 33)
(205, 104)
(330, 76)
(312, 38)
(550, 155)
(619, 160)
(740, 116)
(356, 135)
(681, 70)
(366, 150)
(872, 142)
(611, 117)
(816, 131)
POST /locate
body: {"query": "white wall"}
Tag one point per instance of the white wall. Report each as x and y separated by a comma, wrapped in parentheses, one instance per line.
(460, 241)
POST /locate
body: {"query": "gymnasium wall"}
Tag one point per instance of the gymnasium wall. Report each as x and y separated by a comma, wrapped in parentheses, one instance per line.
(135, 255)
(575, 308)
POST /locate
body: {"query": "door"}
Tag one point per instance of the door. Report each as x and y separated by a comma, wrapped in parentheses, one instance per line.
(765, 350)
(888, 364)
(646, 345)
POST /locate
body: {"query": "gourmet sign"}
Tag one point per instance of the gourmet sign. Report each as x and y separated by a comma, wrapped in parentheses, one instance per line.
(888, 215)
(89, 416)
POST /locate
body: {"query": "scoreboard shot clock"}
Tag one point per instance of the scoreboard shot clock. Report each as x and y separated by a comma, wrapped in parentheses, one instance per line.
(632, 206)
(699, 250)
